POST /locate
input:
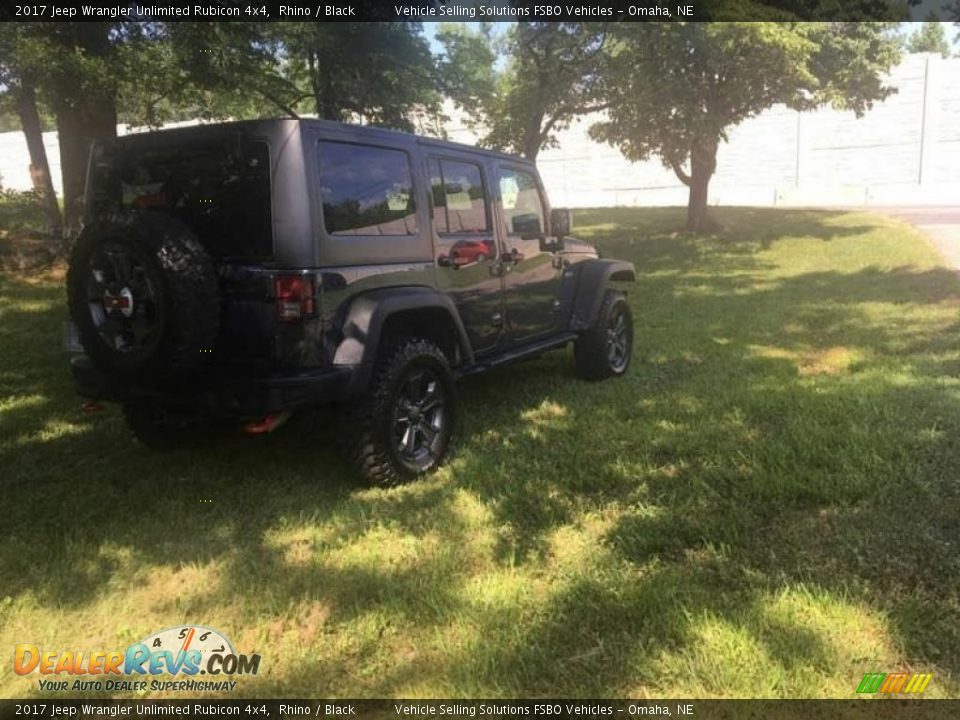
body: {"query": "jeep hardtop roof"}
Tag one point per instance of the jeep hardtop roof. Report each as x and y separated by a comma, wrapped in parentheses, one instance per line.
(282, 126)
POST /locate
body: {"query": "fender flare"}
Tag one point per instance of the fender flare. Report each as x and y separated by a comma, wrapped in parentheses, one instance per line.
(367, 314)
(591, 283)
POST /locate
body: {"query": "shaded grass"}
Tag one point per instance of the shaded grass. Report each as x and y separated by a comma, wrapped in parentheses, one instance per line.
(765, 506)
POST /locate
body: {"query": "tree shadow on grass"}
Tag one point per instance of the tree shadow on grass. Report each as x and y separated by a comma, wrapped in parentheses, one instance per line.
(654, 234)
(734, 463)
(800, 467)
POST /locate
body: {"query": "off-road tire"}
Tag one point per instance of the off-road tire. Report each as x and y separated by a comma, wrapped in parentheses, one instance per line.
(371, 420)
(593, 354)
(183, 311)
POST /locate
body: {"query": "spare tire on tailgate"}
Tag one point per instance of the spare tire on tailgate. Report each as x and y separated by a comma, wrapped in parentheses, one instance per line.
(144, 296)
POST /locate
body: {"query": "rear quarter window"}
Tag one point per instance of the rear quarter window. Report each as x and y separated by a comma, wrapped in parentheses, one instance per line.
(366, 190)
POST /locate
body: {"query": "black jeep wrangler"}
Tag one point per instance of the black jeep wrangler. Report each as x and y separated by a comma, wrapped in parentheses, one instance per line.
(237, 272)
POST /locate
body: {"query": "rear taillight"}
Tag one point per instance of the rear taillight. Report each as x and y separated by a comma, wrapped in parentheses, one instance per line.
(294, 297)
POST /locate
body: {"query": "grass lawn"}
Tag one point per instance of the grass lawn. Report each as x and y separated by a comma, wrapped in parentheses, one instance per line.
(766, 506)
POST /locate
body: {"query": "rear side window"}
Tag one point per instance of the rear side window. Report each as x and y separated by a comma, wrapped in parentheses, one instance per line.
(220, 188)
(366, 190)
(459, 200)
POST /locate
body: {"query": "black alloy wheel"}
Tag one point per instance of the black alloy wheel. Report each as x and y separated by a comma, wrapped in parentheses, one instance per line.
(403, 426)
(419, 418)
(605, 349)
(618, 338)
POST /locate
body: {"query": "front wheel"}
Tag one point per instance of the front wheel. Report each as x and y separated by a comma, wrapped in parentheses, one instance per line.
(605, 349)
(405, 422)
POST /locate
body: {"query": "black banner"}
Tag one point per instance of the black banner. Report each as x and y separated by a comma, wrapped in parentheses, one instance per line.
(861, 709)
(453, 10)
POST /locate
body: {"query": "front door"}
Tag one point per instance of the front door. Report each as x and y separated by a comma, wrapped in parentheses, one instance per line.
(465, 246)
(531, 275)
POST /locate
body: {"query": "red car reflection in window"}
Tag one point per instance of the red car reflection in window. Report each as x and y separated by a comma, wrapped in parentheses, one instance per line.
(465, 252)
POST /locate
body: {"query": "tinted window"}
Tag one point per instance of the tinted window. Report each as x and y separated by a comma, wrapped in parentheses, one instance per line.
(522, 207)
(366, 190)
(219, 187)
(459, 200)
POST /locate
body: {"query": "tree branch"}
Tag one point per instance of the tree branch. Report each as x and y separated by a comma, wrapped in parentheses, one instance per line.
(678, 170)
(279, 103)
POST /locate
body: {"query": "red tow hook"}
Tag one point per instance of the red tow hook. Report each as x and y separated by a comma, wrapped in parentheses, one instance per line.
(267, 424)
(91, 407)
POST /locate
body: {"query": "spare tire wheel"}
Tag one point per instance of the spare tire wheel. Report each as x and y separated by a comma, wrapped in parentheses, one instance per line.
(144, 296)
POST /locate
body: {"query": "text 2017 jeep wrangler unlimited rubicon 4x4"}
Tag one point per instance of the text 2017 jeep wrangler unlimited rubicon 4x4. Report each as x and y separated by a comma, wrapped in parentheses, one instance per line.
(243, 270)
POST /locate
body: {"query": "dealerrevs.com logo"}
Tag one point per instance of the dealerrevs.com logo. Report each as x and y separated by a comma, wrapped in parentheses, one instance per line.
(171, 659)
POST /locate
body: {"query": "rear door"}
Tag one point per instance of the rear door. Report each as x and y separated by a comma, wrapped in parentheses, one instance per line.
(464, 242)
(531, 275)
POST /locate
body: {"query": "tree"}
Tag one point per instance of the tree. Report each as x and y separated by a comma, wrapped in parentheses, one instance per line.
(18, 78)
(92, 74)
(378, 72)
(216, 70)
(381, 73)
(70, 67)
(930, 38)
(82, 82)
(467, 67)
(675, 89)
(549, 79)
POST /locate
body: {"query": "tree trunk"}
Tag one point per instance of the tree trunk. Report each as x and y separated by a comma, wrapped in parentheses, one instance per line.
(697, 202)
(84, 113)
(531, 150)
(703, 163)
(77, 128)
(530, 142)
(39, 167)
(533, 137)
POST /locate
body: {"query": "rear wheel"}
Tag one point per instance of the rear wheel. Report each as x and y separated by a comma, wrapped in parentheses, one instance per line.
(605, 349)
(405, 423)
(164, 428)
(144, 297)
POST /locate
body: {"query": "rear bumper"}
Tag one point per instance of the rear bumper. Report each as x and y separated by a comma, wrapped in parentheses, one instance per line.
(223, 394)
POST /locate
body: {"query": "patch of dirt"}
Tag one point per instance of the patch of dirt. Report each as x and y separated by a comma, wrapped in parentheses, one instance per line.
(832, 361)
(311, 621)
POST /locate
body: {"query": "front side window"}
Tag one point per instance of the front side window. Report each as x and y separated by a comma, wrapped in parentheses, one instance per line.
(522, 206)
(366, 190)
(459, 200)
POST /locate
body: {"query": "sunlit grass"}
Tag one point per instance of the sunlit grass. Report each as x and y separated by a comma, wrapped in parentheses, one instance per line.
(765, 506)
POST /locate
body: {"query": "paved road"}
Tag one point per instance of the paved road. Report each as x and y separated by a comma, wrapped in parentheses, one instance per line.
(941, 224)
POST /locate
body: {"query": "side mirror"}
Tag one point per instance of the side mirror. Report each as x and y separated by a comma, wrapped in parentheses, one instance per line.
(561, 222)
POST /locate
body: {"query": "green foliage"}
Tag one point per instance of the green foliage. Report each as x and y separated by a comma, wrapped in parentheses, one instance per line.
(74, 64)
(223, 70)
(381, 73)
(20, 211)
(467, 66)
(549, 78)
(674, 89)
(930, 38)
